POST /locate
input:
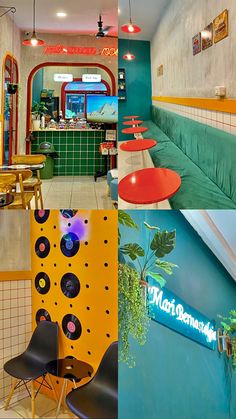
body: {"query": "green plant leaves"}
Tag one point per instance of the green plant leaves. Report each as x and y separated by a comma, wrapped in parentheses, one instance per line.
(167, 267)
(133, 250)
(163, 243)
(126, 220)
(150, 227)
(158, 278)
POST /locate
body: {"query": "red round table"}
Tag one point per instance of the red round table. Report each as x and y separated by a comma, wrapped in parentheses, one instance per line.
(131, 117)
(138, 145)
(134, 130)
(134, 122)
(149, 186)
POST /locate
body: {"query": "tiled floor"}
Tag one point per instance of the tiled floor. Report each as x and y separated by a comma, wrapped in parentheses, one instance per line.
(76, 192)
(130, 162)
(45, 408)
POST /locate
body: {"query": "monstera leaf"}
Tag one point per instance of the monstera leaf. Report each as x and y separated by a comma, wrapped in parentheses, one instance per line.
(163, 243)
(126, 220)
(167, 267)
(133, 250)
(158, 278)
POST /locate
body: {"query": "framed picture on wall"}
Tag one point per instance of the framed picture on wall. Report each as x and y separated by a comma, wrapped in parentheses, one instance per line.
(221, 26)
(197, 47)
(207, 37)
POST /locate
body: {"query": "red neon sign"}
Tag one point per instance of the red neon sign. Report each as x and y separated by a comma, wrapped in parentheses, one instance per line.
(76, 50)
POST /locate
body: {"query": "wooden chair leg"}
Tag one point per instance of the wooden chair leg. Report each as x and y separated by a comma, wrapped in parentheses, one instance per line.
(10, 394)
(36, 197)
(41, 197)
(53, 388)
(32, 400)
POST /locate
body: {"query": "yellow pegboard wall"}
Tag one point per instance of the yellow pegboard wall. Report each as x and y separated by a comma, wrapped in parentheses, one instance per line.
(95, 266)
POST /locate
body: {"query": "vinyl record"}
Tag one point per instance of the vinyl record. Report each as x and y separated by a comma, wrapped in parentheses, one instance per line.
(42, 247)
(41, 216)
(70, 244)
(70, 285)
(42, 283)
(42, 315)
(71, 326)
(68, 213)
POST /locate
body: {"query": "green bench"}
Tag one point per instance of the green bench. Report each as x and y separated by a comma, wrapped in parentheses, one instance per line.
(204, 157)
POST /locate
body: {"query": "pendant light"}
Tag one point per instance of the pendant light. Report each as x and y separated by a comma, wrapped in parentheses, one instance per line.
(129, 56)
(130, 27)
(33, 41)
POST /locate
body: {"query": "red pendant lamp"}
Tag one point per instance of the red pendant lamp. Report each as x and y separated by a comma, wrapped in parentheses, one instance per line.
(129, 56)
(130, 27)
(33, 41)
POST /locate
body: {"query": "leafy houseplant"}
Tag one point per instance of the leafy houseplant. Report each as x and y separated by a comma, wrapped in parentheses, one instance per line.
(12, 88)
(133, 282)
(38, 109)
(229, 326)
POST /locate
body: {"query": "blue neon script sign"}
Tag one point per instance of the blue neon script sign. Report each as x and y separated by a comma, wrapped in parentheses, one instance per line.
(168, 309)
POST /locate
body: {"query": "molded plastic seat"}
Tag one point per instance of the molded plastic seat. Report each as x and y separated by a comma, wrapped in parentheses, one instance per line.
(42, 348)
(99, 397)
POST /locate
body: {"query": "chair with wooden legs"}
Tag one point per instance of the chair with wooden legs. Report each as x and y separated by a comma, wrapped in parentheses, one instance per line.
(22, 198)
(7, 182)
(30, 366)
(33, 184)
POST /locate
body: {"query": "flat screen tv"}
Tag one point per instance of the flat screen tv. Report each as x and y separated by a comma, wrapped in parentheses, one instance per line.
(102, 109)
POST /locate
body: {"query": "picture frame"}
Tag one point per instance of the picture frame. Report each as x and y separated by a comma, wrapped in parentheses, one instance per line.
(221, 26)
(196, 43)
(207, 36)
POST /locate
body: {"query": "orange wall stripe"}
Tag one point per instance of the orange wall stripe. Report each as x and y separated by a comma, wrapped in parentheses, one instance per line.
(221, 105)
(15, 275)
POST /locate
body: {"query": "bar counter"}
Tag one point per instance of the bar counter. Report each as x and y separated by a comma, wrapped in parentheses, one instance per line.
(78, 150)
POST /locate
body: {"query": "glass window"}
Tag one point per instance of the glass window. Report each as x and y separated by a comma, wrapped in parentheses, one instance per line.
(75, 105)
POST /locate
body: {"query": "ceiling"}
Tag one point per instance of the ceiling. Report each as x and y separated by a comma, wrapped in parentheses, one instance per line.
(82, 15)
(217, 229)
(145, 13)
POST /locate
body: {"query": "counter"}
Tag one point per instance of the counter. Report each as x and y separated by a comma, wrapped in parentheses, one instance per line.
(78, 150)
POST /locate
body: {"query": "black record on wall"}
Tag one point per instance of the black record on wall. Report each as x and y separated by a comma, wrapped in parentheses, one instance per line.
(41, 216)
(71, 326)
(42, 315)
(42, 283)
(70, 244)
(42, 247)
(68, 213)
(70, 285)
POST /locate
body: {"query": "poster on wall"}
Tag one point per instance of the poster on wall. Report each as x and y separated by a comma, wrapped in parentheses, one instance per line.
(207, 37)
(221, 26)
(197, 47)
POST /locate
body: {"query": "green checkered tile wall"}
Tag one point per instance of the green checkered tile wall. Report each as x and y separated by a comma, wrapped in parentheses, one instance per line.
(78, 151)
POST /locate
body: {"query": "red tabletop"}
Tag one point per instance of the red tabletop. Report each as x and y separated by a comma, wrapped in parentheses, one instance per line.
(131, 117)
(138, 145)
(149, 186)
(134, 122)
(134, 130)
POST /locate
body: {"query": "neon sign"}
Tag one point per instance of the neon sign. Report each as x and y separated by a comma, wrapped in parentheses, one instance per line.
(168, 309)
(77, 50)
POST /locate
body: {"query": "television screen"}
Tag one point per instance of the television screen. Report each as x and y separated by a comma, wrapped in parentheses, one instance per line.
(103, 109)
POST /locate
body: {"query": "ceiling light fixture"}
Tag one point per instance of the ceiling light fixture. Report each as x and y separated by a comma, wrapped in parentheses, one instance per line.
(33, 41)
(128, 56)
(61, 14)
(130, 27)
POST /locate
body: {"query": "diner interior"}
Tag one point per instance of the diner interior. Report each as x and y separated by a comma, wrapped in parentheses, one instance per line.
(58, 315)
(59, 105)
(177, 108)
(180, 359)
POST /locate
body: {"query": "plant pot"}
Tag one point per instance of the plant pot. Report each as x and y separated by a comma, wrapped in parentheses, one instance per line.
(36, 124)
(12, 88)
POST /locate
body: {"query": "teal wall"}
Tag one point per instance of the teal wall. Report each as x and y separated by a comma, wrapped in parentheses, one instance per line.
(37, 85)
(138, 82)
(176, 378)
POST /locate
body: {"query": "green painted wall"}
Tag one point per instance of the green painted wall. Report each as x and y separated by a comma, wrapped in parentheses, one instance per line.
(138, 82)
(37, 85)
(176, 378)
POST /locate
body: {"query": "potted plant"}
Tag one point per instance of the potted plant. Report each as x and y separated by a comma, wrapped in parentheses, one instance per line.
(229, 328)
(133, 281)
(12, 88)
(38, 109)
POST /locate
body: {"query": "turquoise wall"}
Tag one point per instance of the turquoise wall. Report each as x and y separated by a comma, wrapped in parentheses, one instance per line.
(37, 85)
(138, 82)
(176, 378)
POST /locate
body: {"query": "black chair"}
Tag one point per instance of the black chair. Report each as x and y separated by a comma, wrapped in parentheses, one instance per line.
(99, 397)
(30, 366)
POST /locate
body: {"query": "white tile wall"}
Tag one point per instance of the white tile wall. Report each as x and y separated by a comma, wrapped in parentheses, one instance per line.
(224, 121)
(15, 329)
